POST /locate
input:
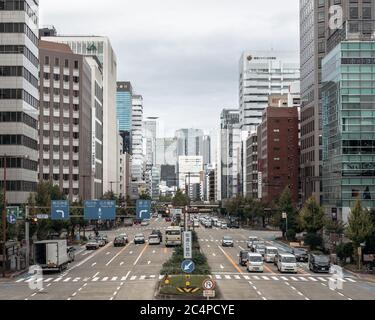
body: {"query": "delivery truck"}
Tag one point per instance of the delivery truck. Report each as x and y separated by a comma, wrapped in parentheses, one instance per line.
(51, 255)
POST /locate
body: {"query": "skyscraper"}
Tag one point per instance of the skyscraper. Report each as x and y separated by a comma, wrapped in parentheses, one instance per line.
(101, 48)
(124, 113)
(263, 74)
(65, 152)
(19, 98)
(138, 161)
(316, 25)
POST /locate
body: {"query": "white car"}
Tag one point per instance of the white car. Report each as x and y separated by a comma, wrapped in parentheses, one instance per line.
(218, 224)
(92, 245)
(250, 241)
(154, 239)
(255, 263)
(224, 225)
(145, 223)
(270, 254)
(286, 262)
(227, 242)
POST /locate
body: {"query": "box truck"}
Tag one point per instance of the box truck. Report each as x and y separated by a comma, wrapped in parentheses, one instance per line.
(51, 255)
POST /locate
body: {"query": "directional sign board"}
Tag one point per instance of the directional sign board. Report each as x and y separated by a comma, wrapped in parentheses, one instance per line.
(100, 210)
(12, 218)
(143, 209)
(13, 210)
(42, 216)
(188, 254)
(60, 210)
(188, 266)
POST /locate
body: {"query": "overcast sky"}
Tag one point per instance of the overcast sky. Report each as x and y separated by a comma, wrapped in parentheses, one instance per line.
(181, 55)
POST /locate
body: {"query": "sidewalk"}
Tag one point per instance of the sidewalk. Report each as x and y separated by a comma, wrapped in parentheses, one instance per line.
(362, 276)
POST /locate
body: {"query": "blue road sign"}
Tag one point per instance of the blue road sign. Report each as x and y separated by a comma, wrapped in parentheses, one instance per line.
(143, 209)
(100, 210)
(60, 210)
(12, 218)
(188, 266)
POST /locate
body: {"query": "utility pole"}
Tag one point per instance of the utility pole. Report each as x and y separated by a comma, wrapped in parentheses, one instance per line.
(27, 236)
(5, 216)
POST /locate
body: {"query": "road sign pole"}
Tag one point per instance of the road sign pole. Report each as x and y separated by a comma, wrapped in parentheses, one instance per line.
(27, 237)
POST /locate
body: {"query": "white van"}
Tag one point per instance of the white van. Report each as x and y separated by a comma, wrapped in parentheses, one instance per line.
(286, 262)
(270, 254)
(250, 241)
(255, 263)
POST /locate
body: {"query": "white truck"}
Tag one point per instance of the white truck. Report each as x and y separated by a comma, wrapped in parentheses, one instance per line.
(51, 255)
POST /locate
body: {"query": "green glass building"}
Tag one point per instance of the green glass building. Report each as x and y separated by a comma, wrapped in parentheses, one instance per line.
(348, 113)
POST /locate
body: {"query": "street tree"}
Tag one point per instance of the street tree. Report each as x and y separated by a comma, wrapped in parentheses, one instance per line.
(312, 216)
(180, 199)
(360, 226)
(285, 204)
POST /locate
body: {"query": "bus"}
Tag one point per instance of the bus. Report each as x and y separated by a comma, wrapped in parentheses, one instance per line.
(173, 236)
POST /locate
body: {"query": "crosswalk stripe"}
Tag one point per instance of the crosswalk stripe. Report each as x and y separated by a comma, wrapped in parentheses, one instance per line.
(246, 277)
(77, 279)
(218, 277)
(265, 278)
(237, 277)
(114, 279)
(57, 280)
(48, 280)
(294, 278)
(161, 277)
(133, 278)
(256, 278)
(313, 279)
(275, 278)
(284, 278)
(322, 279)
(123, 278)
(85, 280)
(67, 279)
(105, 279)
(228, 277)
(95, 279)
(153, 276)
(20, 280)
(142, 278)
(351, 280)
(303, 279)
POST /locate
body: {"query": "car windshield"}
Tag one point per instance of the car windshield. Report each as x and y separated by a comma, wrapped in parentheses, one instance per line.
(289, 259)
(228, 238)
(173, 233)
(256, 259)
(322, 259)
(119, 238)
(153, 236)
(300, 251)
(139, 235)
(260, 247)
(272, 251)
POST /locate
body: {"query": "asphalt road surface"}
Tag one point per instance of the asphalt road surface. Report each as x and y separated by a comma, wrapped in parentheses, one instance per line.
(132, 273)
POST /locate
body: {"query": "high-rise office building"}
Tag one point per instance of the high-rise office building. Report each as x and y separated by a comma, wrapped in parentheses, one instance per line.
(190, 174)
(206, 150)
(263, 74)
(102, 49)
(150, 134)
(189, 142)
(138, 160)
(230, 142)
(65, 120)
(348, 97)
(124, 113)
(19, 98)
(316, 25)
(166, 151)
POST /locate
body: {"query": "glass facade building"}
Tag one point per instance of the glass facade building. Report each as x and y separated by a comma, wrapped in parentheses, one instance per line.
(348, 107)
(124, 106)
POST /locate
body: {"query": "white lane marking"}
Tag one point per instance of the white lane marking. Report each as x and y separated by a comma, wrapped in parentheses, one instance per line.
(20, 280)
(109, 262)
(96, 274)
(133, 278)
(313, 279)
(351, 280)
(85, 253)
(256, 278)
(284, 278)
(115, 293)
(142, 278)
(148, 262)
(221, 266)
(246, 277)
(340, 294)
(139, 257)
(48, 285)
(264, 298)
(80, 289)
(237, 277)
(95, 279)
(228, 277)
(323, 284)
(322, 279)
(208, 246)
(300, 294)
(265, 278)
(67, 279)
(77, 279)
(57, 280)
(214, 254)
(126, 277)
(241, 248)
(89, 257)
(275, 278)
(259, 293)
(86, 279)
(94, 264)
(153, 252)
(48, 280)
(152, 276)
(218, 277)
(131, 252)
(33, 295)
(303, 279)
(74, 294)
(114, 279)
(161, 277)
(108, 253)
(294, 278)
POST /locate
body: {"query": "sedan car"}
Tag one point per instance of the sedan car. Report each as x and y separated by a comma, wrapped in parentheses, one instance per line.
(92, 245)
(154, 239)
(125, 236)
(261, 249)
(224, 225)
(244, 257)
(139, 239)
(100, 241)
(319, 263)
(145, 223)
(227, 242)
(119, 242)
(158, 233)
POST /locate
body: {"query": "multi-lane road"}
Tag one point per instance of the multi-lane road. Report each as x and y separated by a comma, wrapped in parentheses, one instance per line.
(132, 273)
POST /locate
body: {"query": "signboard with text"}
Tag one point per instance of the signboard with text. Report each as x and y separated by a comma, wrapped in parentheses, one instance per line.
(60, 210)
(100, 210)
(144, 209)
(187, 242)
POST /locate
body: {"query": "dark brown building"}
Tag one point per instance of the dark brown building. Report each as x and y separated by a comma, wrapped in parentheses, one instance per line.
(279, 152)
(65, 120)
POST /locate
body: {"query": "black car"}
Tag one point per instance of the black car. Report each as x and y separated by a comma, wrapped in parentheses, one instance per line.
(301, 254)
(158, 232)
(244, 257)
(319, 263)
(119, 242)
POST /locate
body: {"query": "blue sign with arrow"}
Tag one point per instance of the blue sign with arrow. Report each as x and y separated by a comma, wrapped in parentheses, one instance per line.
(143, 209)
(12, 218)
(188, 266)
(100, 210)
(60, 210)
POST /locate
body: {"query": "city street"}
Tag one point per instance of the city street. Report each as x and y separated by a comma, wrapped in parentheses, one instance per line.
(132, 273)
